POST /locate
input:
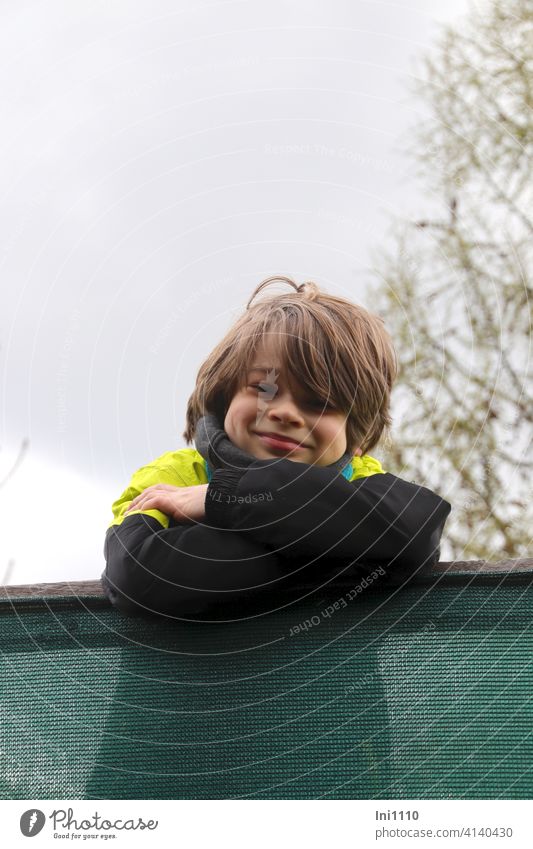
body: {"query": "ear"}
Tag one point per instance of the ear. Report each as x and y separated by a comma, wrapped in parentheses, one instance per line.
(358, 452)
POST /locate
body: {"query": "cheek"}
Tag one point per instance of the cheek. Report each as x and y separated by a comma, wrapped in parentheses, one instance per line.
(237, 411)
(228, 418)
(337, 431)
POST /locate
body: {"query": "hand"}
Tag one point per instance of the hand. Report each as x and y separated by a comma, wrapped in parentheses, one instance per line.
(182, 503)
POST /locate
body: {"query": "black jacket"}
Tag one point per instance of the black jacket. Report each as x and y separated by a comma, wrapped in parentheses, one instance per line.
(270, 527)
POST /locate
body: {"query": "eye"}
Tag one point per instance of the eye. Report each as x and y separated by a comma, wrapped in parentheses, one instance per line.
(271, 389)
(265, 387)
(318, 403)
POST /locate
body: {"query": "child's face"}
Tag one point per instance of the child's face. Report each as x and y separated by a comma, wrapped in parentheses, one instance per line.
(272, 408)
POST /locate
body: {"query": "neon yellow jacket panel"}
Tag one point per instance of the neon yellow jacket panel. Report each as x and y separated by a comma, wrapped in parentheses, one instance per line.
(187, 467)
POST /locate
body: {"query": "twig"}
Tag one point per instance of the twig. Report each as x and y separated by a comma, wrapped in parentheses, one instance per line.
(22, 452)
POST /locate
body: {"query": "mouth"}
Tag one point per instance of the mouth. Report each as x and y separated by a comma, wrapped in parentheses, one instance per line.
(274, 440)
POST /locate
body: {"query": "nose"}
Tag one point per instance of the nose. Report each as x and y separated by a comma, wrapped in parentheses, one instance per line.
(283, 408)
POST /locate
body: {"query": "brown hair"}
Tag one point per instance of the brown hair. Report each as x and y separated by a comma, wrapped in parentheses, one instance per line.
(338, 350)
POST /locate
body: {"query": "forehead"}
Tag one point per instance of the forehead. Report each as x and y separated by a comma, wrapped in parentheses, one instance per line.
(266, 357)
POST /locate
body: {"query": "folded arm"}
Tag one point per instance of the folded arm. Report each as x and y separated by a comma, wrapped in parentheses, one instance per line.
(183, 569)
(262, 527)
(300, 510)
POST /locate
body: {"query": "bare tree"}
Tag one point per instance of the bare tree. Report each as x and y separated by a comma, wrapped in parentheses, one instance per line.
(23, 450)
(456, 291)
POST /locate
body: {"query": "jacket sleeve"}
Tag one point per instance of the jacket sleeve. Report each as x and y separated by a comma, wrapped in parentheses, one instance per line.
(297, 509)
(183, 569)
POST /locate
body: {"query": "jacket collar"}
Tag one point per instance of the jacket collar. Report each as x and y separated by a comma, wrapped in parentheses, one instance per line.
(347, 472)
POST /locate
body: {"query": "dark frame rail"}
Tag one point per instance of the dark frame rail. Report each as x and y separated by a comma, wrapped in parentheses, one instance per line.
(453, 572)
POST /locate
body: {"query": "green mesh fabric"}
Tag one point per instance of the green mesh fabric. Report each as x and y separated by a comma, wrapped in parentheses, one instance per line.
(421, 693)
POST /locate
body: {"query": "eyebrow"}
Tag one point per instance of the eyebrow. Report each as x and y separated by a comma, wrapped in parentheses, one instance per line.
(263, 368)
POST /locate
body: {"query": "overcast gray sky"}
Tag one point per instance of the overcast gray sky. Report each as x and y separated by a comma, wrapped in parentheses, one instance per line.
(159, 159)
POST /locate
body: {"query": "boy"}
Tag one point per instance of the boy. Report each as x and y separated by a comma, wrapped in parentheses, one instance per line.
(283, 413)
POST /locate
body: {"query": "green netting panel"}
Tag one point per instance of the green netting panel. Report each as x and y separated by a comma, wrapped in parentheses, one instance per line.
(419, 693)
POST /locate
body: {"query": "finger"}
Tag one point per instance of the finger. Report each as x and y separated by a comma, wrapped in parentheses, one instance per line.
(166, 504)
(142, 507)
(138, 504)
(154, 501)
(139, 499)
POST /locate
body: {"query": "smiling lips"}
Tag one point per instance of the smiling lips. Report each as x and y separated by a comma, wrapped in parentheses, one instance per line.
(277, 440)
